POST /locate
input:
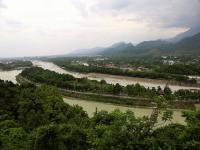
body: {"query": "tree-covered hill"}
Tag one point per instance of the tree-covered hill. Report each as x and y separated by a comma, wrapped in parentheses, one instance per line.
(36, 118)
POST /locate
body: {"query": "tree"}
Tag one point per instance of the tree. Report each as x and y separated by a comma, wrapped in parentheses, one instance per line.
(119, 131)
(168, 137)
(13, 138)
(191, 135)
(167, 90)
(117, 89)
(58, 137)
(167, 115)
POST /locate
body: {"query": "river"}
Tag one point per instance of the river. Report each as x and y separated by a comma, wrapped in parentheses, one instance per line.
(90, 108)
(9, 75)
(112, 79)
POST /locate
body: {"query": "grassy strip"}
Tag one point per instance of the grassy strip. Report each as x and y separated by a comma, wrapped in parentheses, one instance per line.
(109, 99)
(128, 102)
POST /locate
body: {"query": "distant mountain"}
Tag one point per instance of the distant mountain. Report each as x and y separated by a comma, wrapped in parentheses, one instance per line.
(117, 48)
(186, 46)
(87, 52)
(128, 49)
(186, 34)
(187, 43)
(151, 44)
(190, 45)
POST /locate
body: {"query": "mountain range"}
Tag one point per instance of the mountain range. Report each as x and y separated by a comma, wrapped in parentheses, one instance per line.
(187, 43)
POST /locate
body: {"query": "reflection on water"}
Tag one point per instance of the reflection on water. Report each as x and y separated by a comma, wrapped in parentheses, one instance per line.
(9, 75)
(110, 78)
(90, 108)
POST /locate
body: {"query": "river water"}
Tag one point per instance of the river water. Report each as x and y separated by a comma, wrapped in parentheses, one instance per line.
(9, 75)
(90, 108)
(112, 79)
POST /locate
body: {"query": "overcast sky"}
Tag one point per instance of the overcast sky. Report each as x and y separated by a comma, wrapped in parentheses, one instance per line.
(46, 27)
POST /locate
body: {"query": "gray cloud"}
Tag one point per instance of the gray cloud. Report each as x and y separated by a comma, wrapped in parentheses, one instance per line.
(165, 13)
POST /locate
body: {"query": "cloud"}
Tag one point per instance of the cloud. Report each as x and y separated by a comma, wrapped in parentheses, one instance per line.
(44, 27)
(80, 6)
(165, 13)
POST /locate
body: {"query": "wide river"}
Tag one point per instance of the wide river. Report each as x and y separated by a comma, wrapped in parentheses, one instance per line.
(112, 79)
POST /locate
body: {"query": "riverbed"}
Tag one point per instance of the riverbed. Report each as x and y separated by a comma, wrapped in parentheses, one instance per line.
(112, 79)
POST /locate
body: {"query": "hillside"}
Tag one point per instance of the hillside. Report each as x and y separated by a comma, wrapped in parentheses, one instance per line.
(188, 33)
(187, 46)
(118, 48)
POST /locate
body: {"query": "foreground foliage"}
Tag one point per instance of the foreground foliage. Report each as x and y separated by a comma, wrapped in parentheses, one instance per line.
(36, 118)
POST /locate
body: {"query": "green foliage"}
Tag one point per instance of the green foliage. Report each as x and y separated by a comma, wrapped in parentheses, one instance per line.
(117, 89)
(58, 137)
(167, 115)
(187, 95)
(168, 137)
(191, 136)
(117, 131)
(65, 81)
(36, 118)
(182, 69)
(160, 101)
(13, 138)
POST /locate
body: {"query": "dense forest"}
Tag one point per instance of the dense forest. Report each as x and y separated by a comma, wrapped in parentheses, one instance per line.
(190, 69)
(36, 118)
(16, 64)
(65, 81)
